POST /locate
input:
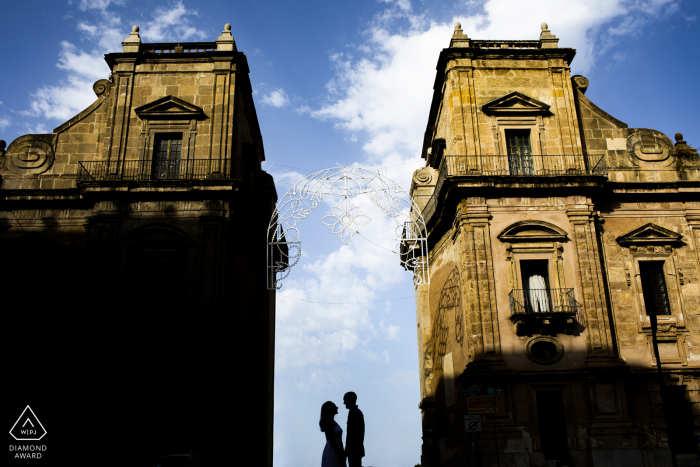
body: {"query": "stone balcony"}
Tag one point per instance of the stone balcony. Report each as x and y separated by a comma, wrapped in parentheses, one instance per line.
(543, 311)
(513, 170)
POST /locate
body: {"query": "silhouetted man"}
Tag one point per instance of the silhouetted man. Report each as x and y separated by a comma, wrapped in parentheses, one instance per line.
(354, 440)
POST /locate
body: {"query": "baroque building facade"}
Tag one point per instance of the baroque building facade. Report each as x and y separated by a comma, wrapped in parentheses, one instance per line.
(134, 281)
(563, 253)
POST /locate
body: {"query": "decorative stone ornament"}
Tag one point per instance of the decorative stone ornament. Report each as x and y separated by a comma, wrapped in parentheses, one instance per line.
(581, 82)
(544, 350)
(547, 39)
(650, 149)
(133, 42)
(30, 154)
(459, 39)
(683, 151)
(225, 41)
(102, 86)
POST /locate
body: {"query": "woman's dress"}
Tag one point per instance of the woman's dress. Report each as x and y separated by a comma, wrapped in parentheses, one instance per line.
(330, 457)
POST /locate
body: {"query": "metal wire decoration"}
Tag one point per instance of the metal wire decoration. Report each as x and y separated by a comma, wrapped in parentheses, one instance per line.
(346, 219)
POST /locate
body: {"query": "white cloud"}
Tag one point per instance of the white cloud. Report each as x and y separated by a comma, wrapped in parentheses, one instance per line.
(37, 129)
(73, 93)
(276, 98)
(385, 354)
(62, 101)
(385, 95)
(98, 4)
(171, 23)
(334, 318)
(391, 331)
(77, 62)
(5, 122)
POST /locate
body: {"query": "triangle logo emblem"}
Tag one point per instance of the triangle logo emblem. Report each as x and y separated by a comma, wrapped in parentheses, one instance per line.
(28, 427)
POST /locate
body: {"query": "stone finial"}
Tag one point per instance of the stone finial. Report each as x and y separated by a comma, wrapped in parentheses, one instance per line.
(683, 151)
(459, 39)
(225, 40)
(133, 42)
(547, 39)
(3, 144)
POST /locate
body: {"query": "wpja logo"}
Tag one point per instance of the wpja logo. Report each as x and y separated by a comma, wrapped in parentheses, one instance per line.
(28, 428)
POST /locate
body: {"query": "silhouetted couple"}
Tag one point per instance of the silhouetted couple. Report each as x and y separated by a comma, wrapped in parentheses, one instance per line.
(333, 454)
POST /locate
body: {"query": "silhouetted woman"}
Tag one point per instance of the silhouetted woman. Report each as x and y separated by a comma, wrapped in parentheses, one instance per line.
(333, 453)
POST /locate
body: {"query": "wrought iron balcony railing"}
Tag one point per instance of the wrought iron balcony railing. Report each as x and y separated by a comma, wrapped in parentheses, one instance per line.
(519, 165)
(148, 170)
(526, 301)
(532, 165)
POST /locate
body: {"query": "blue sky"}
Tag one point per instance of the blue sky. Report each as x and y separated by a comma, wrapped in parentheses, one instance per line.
(349, 83)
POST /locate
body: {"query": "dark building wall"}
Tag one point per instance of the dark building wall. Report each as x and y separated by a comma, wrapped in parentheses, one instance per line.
(145, 293)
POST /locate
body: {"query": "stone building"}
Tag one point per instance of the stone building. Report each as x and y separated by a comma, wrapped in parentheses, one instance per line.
(563, 253)
(133, 246)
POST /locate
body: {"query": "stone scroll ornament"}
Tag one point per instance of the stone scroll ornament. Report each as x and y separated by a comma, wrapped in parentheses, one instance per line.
(30, 154)
(650, 148)
(342, 185)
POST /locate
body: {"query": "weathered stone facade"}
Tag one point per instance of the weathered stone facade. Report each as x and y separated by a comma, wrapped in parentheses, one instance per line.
(544, 216)
(133, 242)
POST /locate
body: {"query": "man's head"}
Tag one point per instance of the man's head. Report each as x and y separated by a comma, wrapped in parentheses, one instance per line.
(350, 399)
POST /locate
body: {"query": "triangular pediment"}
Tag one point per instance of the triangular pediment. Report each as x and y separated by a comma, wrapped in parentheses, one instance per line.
(516, 102)
(650, 233)
(170, 108)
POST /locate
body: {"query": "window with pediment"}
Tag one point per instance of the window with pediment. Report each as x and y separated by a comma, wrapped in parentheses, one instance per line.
(168, 137)
(653, 273)
(517, 124)
(540, 301)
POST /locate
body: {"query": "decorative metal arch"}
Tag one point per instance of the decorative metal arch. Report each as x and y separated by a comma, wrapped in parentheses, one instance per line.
(345, 219)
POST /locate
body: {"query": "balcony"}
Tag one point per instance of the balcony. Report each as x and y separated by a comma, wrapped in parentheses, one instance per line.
(515, 168)
(543, 311)
(150, 171)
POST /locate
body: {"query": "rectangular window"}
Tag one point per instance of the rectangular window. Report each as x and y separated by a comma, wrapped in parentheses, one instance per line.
(166, 156)
(535, 275)
(519, 152)
(654, 288)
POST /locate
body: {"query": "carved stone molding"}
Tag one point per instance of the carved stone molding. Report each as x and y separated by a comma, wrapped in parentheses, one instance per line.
(650, 149)
(30, 154)
(102, 86)
(581, 82)
(544, 350)
(423, 176)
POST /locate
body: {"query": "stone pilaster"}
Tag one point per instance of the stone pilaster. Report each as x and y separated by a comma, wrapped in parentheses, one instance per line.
(591, 283)
(478, 283)
(693, 219)
(102, 227)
